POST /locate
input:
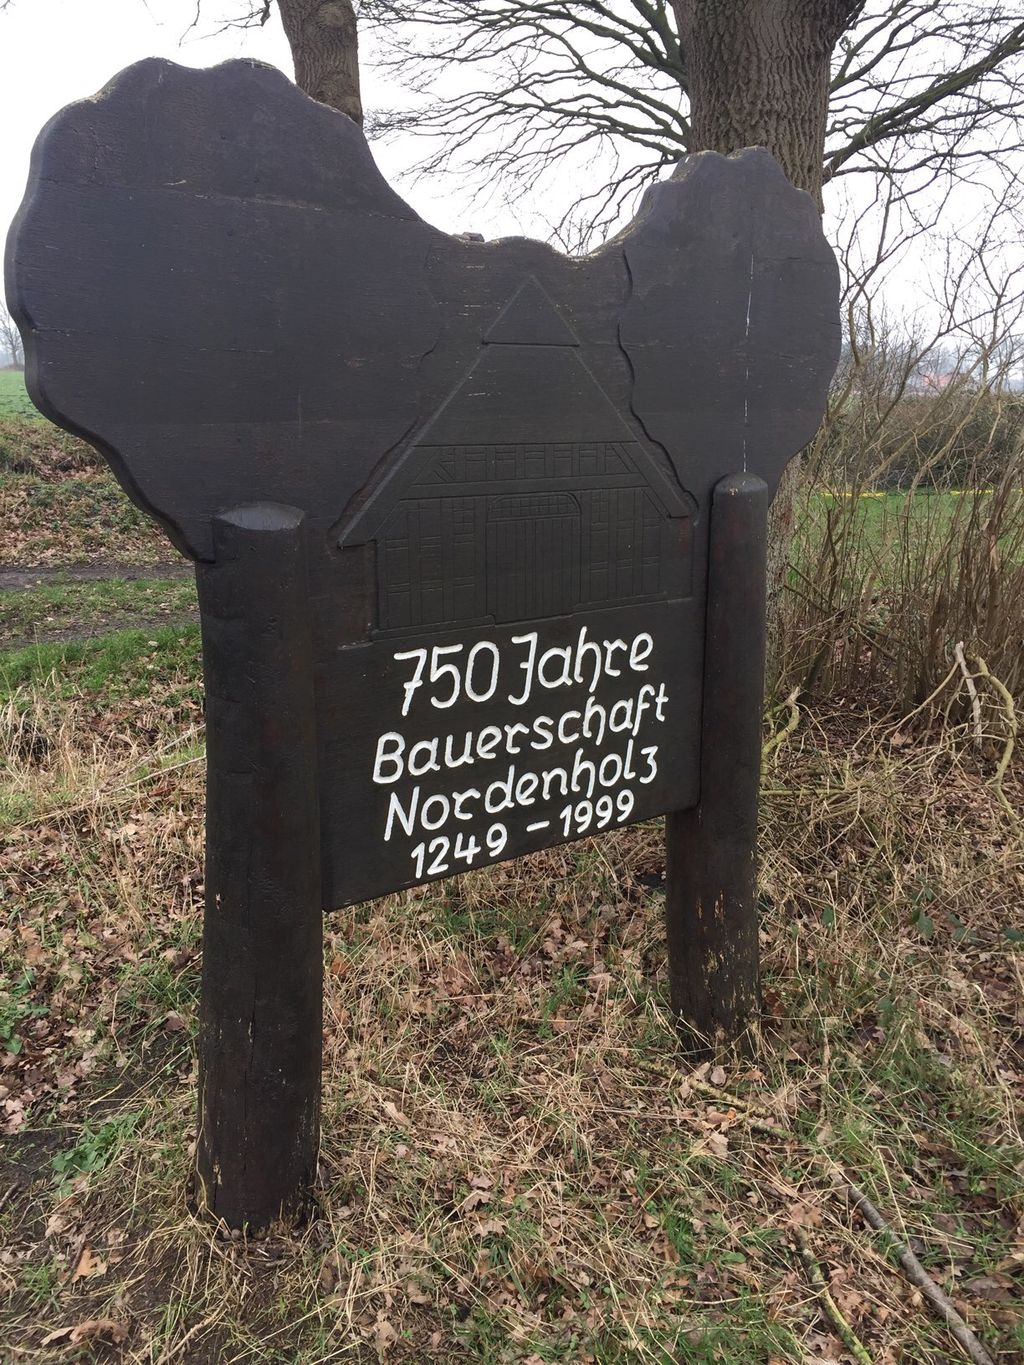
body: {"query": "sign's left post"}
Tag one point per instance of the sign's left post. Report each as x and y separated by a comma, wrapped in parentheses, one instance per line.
(260, 1049)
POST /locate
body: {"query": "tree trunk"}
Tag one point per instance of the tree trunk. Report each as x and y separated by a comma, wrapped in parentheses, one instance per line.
(757, 73)
(324, 42)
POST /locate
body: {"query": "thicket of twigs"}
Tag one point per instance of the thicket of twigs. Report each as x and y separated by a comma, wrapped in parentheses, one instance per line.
(908, 566)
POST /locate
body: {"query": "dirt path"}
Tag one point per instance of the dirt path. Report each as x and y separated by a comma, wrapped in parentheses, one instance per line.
(101, 625)
(23, 578)
(18, 577)
(105, 625)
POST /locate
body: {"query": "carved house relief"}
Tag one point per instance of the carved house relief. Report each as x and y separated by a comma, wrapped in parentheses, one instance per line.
(526, 496)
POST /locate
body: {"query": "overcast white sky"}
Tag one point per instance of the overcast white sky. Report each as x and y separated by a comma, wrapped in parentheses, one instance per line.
(56, 51)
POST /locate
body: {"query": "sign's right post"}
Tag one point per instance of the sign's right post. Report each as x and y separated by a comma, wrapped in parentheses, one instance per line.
(711, 874)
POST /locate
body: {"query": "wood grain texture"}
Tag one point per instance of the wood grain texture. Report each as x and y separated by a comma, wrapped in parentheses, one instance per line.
(218, 287)
(711, 874)
(478, 530)
(260, 1014)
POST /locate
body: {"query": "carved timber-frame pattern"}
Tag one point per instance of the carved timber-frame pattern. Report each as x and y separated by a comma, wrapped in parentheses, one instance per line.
(554, 521)
(511, 532)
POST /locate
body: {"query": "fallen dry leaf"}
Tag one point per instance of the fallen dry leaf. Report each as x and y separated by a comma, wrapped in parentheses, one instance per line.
(473, 1200)
(715, 1143)
(93, 1329)
(395, 1114)
(486, 1227)
(89, 1265)
(384, 1337)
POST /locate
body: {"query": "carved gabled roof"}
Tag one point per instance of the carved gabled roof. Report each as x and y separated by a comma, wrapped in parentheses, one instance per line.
(528, 385)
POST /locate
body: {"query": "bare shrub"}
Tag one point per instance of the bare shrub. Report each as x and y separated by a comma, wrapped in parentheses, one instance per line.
(911, 533)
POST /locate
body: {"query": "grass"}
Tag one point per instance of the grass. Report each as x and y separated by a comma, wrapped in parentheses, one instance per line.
(82, 518)
(879, 525)
(70, 607)
(14, 401)
(122, 663)
(516, 1165)
(60, 505)
(37, 447)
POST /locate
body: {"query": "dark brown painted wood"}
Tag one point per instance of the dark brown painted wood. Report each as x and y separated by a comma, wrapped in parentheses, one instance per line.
(260, 1021)
(217, 285)
(711, 874)
(466, 606)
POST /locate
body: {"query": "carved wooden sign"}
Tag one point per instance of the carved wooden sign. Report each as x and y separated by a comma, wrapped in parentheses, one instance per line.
(478, 529)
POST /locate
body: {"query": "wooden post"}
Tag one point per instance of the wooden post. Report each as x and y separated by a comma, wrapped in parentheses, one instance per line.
(711, 870)
(260, 1050)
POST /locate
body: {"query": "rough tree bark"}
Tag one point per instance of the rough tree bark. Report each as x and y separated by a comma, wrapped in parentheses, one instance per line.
(323, 39)
(758, 75)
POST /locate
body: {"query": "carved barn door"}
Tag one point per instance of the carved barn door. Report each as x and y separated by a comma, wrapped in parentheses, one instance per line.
(533, 556)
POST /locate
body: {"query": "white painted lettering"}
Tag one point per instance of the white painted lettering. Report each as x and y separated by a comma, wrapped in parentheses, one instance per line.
(443, 806)
(511, 730)
(608, 777)
(542, 728)
(407, 819)
(610, 646)
(594, 708)
(628, 771)
(549, 777)
(450, 761)
(530, 641)
(423, 758)
(563, 738)
(472, 691)
(390, 748)
(578, 765)
(642, 705)
(487, 742)
(564, 677)
(625, 708)
(420, 655)
(585, 646)
(459, 797)
(652, 767)
(640, 650)
(504, 787)
(439, 671)
(660, 702)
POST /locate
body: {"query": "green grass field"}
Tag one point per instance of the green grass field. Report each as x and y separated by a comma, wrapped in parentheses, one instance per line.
(14, 401)
(77, 609)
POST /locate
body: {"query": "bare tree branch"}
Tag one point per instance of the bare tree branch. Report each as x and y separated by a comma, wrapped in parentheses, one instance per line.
(11, 350)
(939, 81)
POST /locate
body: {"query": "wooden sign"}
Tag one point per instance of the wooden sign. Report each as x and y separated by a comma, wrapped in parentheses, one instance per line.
(478, 531)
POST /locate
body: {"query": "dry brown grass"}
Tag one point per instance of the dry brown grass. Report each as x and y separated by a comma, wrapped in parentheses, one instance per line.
(516, 1165)
(919, 545)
